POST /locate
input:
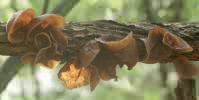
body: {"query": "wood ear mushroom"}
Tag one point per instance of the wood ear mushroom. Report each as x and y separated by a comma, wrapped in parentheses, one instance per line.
(42, 34)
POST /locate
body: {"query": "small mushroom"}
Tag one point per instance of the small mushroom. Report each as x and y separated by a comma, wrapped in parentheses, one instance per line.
(125, 50)
(156, 49)
(16, 23)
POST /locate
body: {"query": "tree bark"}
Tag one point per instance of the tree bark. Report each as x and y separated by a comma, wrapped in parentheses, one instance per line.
(9, 69)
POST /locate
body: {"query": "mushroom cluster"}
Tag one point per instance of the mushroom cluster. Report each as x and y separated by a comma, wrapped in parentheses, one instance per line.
(42, 34)
(98, 58)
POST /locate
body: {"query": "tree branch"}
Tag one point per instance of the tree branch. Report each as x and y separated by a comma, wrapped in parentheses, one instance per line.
(45, 6)
(178, 12)
(81, 33)
(64, 7)
(6, 74)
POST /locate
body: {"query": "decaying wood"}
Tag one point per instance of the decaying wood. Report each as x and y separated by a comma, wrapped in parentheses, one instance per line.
(81, 33)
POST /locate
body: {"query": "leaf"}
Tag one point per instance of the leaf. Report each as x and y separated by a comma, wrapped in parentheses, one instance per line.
(125, 50)
(156, 49)
(184, 68)
(88, 53)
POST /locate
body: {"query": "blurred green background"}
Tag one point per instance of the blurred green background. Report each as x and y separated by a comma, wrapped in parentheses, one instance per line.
(144, 82)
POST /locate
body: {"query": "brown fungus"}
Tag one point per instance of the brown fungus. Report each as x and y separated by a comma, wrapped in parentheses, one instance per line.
(184, 68)
(41, 34)
(176, 43)
(99, 59)
(125, 50)
(88, 53)
(156, 49)
(15, 25)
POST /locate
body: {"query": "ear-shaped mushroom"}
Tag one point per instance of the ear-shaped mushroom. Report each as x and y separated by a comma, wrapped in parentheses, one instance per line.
(52, 20)
(42, 40)
(184, 68)
(47, 54)
(54, 23)
(59, 38)
(125, 50)
(176, 43)
(16, 22)
(88, 53)
(42, 34)
(43, 43)
(106, 63)
(156, 49)
(94, 77)
(160, 44)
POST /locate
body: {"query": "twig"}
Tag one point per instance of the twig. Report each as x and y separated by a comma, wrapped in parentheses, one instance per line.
(8, 70)
(178, 12)
(45, 6)
(64, 7)
(13, 5)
